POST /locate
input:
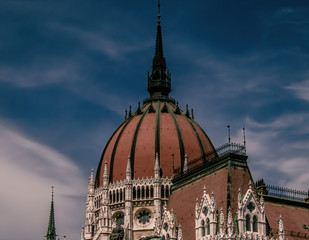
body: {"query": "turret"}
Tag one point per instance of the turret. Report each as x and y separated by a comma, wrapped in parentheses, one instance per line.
(90, 217)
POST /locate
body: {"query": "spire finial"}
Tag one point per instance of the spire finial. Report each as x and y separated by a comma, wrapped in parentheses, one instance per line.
(52, 193)
(159, 11)
(229, 132)
(244, 131)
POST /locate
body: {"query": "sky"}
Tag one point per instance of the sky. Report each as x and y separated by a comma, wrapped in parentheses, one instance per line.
(69, 69)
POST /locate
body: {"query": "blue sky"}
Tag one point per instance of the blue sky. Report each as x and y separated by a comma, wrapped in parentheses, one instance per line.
(69, 69)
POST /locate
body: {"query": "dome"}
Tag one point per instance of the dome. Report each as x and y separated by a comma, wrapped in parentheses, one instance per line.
(156, 127)
(159, 126)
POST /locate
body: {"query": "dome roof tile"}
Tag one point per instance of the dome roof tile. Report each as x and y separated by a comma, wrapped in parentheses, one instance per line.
(142, 135)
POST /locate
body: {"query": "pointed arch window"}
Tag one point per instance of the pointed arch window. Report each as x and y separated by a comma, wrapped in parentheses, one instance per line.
(203, 228)
(134, 193)
(162, 191)
(248, 224)
(207, 226)
(166, 192)
(255, 227)
(143, 192)
(147, 192)
(138, 193)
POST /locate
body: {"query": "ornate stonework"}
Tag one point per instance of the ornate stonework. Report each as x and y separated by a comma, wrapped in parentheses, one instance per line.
(135, 204)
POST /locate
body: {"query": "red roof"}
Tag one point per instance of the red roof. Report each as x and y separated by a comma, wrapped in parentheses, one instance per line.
(293, 218)
(167, 130)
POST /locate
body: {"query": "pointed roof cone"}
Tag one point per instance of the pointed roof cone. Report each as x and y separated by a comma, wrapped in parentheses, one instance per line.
(221, 221)
(139, 110)
(105, 169)
(130, 112)
(187, 111)
(126, 115)
(157, 165)
(91, 176)
(185, 165)
(105, 175)
(91, 184)
(230, 222)
(192, 115)
(51, 230)
(128, 170)
(281, 229)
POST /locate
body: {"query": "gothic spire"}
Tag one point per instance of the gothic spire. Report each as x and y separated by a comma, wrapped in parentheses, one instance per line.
(51, 230)
(159, 82)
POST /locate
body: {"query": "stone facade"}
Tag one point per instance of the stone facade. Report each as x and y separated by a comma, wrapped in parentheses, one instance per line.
(136, 204)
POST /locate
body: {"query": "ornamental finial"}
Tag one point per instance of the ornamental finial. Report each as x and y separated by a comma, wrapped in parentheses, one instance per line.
(159, 11)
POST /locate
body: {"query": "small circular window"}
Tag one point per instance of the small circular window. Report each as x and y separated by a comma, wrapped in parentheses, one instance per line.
(144, 217)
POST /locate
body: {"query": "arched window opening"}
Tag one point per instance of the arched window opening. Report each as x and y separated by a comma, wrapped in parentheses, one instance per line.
(124, 194)
(203, 228)
(117, 196)
(120, 195)
(162, 191)
(167, 192)
(143, 192)
(248, 227)
(119, 218)
(92, 230)
(138, 193)
(147, 192)
(110, 197)
(255, 227)
(114, 196)
(151, 192)
(134, 193)
(207, 226)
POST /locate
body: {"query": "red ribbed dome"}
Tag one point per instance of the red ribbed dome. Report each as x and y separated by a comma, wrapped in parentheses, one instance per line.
(158, 126)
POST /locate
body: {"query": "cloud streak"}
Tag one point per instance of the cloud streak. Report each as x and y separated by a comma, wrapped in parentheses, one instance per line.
(272, 154)
(28, 170)
(300, 89)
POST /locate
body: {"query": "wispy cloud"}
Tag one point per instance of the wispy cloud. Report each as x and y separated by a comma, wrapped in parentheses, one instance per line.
(283, 122)
(28, 170)
(40, 74)
(300, 89)
(104, 42)
(274, 154)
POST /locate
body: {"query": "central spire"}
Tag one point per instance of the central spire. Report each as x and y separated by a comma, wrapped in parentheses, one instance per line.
(159, 81)
(51, 231)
